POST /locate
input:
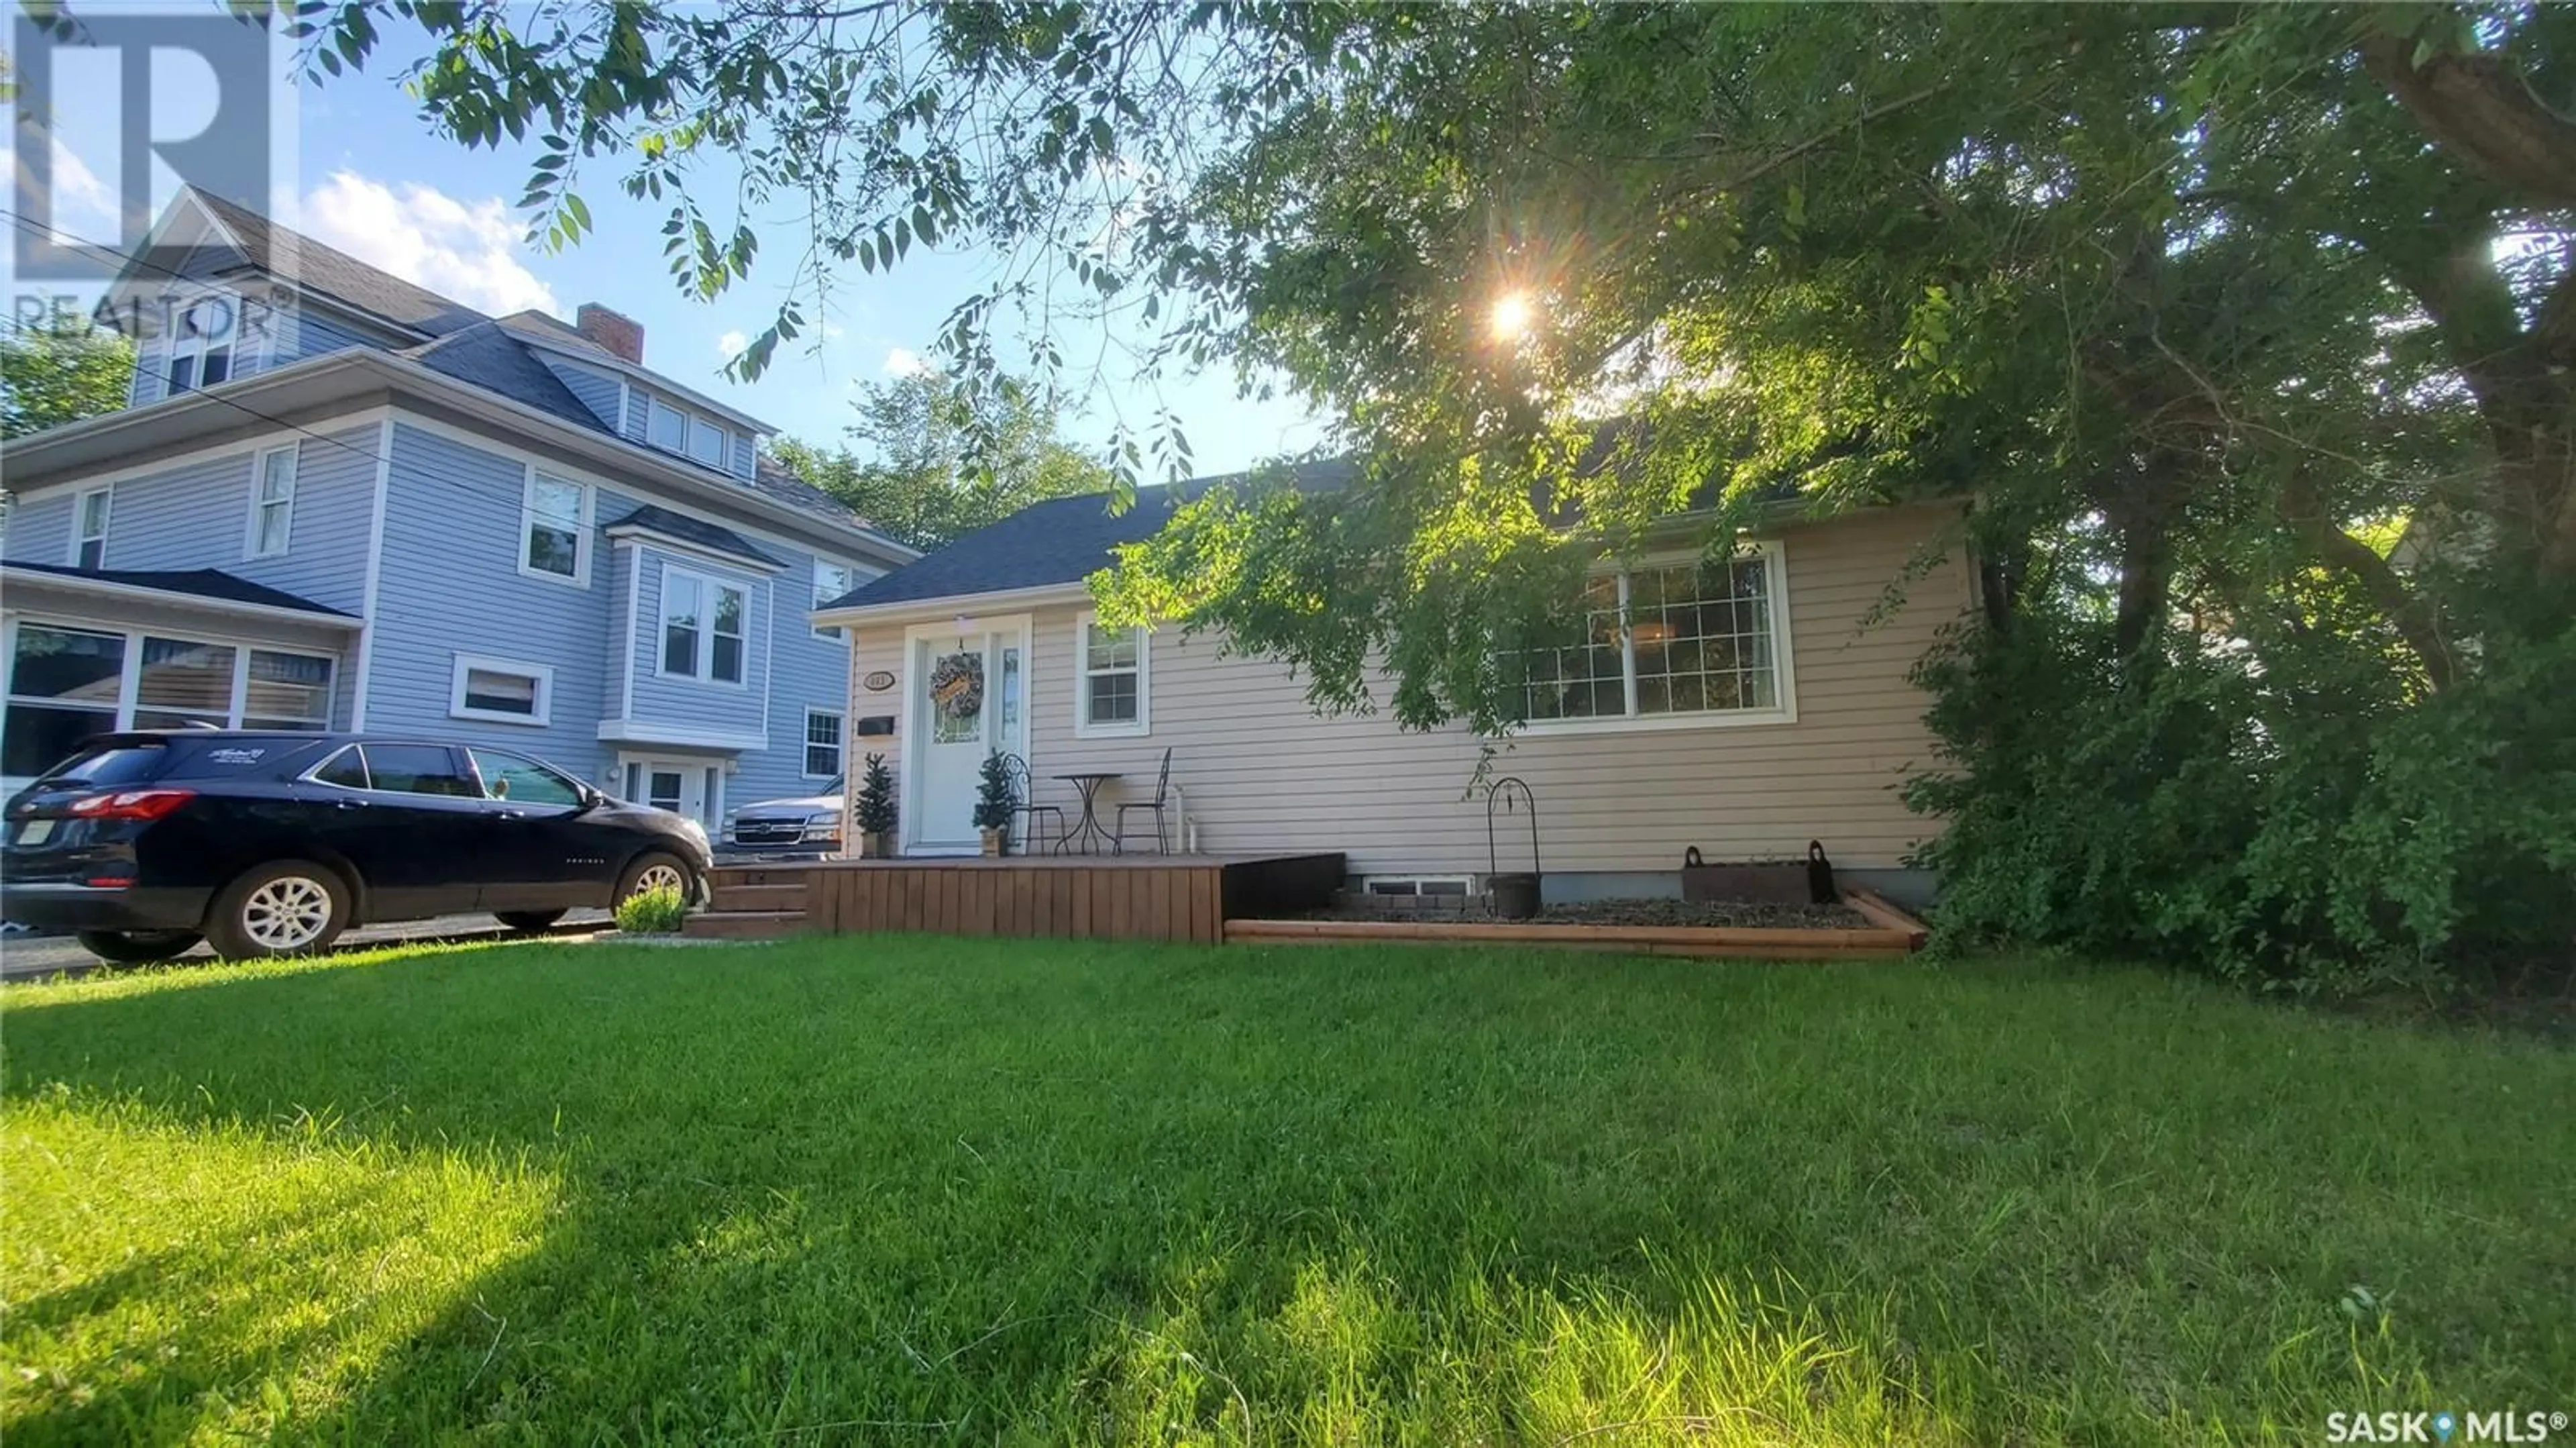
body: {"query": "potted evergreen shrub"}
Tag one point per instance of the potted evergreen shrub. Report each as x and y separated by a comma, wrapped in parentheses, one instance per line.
(993, 803)
(875, 809)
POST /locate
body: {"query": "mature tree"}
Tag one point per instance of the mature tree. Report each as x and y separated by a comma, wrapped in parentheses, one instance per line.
(59, 372)
(2245, 335)
(938, 461)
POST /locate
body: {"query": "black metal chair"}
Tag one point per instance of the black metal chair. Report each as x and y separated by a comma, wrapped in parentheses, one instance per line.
(1024, 803)
(1154, 807)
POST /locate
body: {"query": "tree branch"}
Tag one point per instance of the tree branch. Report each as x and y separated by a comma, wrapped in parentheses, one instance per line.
(2407, 610)
(2478, 106)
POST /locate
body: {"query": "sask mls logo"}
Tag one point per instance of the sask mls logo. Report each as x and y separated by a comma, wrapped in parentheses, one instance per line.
(117, 107)
(2508, 1426)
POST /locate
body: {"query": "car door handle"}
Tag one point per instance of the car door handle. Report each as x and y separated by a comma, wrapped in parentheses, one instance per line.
(513, 814)
(348, 804)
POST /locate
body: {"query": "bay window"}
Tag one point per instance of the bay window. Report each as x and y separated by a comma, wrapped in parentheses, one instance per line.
(1681, 640)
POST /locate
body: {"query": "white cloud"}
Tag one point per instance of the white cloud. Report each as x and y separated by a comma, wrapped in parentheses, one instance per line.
(730, 345)
(466, 250)
(904, 362)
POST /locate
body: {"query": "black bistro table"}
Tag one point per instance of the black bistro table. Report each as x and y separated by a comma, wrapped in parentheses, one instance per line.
(1086, 783)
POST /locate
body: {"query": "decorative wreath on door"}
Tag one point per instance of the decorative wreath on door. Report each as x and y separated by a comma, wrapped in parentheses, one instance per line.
(957, 686)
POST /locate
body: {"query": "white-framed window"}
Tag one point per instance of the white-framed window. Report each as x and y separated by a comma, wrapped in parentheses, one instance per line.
(667, 427)
(822, 743)
(272, 503)
(691, 435)
(709, 443)
(206, 336)
(68, 682)
(554, 532)
(89, 531)
(1112, 679)
(1668, 642)
(503, 691)
(703, 627)
(831, 580)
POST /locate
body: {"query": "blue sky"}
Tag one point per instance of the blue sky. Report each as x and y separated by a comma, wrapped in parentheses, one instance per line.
(372, 180)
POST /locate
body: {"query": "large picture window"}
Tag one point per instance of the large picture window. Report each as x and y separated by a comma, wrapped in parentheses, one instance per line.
(703, 623)
(1682, 640)
(66, 684)
(1110, 680)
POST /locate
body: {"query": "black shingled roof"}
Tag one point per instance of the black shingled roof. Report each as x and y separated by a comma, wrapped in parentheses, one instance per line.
(467, 345)
(1063, 540)
(338, 275)
(711, 536)
(196, 582)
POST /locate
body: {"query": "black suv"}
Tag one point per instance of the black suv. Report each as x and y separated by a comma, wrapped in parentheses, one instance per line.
(273, 843)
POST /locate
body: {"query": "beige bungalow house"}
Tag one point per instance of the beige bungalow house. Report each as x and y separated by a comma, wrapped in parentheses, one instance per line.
(1745, 710)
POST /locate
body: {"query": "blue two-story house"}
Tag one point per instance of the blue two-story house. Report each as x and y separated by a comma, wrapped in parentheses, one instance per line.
(339, 500)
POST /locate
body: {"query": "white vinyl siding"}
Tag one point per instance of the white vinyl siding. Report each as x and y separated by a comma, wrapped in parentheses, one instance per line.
(272, 503)
(1260, 771)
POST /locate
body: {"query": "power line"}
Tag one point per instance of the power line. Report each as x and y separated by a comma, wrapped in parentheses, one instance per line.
(35, 228)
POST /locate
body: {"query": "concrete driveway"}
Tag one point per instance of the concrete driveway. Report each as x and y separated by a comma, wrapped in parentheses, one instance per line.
(38, 957)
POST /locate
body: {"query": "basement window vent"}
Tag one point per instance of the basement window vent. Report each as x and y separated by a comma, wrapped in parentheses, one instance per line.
(1435, 885)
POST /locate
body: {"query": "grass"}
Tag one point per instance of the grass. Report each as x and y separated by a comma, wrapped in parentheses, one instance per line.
(906, 1190)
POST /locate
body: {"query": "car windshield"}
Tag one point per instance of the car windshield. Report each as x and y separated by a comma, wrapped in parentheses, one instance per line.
(110, 764)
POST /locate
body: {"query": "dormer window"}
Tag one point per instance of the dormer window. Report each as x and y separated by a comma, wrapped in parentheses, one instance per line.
(203, 334)
(695, 437)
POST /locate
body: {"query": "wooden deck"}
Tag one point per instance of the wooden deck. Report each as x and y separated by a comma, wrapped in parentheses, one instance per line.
(1062, 897)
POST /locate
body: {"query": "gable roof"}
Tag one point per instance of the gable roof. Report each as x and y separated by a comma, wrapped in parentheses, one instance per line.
(211, 583)
(1060, 541)
(336, 274)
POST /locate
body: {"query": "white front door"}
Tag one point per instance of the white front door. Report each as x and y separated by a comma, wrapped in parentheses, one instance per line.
(968, 697)
(684, 786)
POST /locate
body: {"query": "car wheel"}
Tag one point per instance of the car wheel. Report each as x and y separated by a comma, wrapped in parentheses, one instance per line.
(137, 947)
(530, 920)
(657, 871)
(292, 907)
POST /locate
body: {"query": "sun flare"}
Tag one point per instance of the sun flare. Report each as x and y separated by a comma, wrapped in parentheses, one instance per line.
(1512, 315)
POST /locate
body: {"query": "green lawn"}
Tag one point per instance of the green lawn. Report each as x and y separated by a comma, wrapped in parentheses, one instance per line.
(912, 1190)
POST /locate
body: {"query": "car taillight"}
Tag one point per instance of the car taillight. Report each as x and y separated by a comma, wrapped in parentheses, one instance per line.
(131, 804)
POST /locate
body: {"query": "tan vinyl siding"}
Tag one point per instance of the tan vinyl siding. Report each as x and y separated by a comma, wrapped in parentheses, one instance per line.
(1262, 772)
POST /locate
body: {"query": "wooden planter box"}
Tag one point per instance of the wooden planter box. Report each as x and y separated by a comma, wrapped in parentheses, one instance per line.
(1767, 883)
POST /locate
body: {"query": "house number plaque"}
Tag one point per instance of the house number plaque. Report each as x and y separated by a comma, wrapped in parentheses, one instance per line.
(879, 681)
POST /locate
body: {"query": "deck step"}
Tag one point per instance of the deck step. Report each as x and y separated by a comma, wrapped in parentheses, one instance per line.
(723, 875)
(730, 896)
(744, 924)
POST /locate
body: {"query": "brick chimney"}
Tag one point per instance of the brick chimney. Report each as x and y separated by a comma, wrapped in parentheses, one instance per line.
(621, 334)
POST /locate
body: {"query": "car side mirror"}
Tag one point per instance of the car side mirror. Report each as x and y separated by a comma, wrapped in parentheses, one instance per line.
(591, 799)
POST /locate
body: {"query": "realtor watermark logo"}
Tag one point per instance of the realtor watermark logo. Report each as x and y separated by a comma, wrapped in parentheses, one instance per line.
(2507, 1425)
(116, 107)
